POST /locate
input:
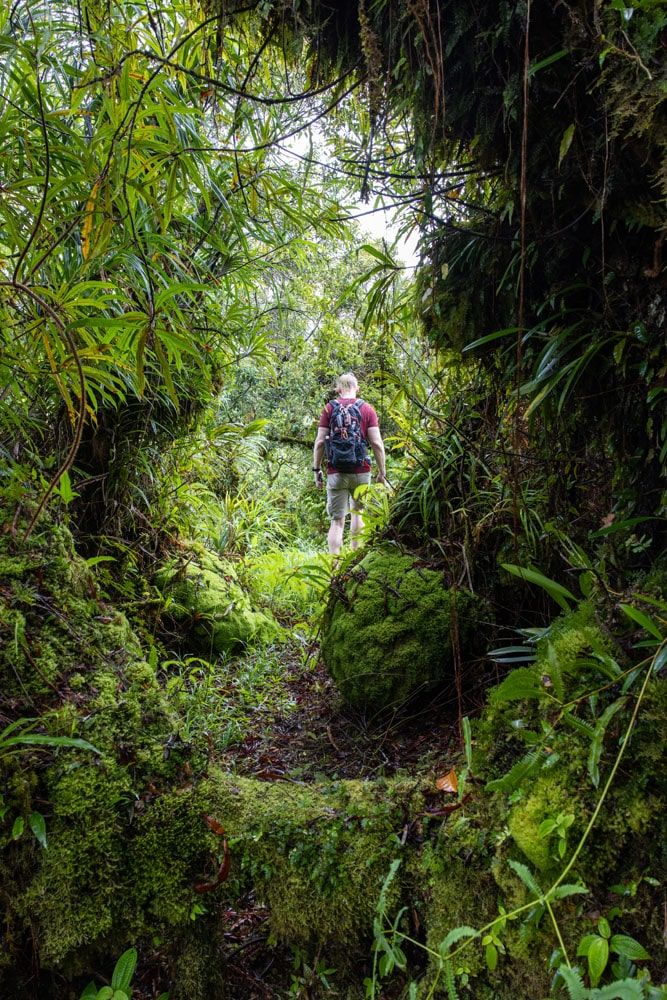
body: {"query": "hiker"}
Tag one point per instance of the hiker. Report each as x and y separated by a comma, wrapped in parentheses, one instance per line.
(346, 426)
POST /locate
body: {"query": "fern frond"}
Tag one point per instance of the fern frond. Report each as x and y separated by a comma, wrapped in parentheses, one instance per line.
(450, 982)
(525, 768)
(575, 984)
(622, 989)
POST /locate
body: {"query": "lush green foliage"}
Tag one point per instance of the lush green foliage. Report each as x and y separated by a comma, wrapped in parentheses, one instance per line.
(137, 239)
(178, 288)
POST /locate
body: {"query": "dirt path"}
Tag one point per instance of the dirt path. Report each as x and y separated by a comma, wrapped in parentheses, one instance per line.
(319, 738)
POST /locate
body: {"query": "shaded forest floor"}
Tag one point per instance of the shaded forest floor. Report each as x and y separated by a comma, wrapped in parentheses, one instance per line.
(301, 731)
(307, 733)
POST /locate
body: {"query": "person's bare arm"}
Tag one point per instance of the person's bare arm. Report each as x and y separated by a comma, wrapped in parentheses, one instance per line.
(318, 453)
(377, 444)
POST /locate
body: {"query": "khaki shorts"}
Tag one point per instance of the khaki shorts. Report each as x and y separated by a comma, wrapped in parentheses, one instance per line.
(340, 492)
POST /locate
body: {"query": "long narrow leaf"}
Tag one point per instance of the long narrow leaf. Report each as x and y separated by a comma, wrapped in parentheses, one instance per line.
(557, 591)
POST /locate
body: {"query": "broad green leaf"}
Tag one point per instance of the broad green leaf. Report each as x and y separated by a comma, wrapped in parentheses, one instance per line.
(546, 827)
(65, 490)
(513, 654)
(585, 944)
(565, 143)
(560, 594)
(124, 970)
(386, 964)
(622, 944)
(650, 599)
(90, 992)
(598, 739)
(37, 824)
(378, 254)
(490, 337)
(38, 740)
(547, 61)
(467, 741)
(597, 957)
(491, 956)
(643, 620)
(627, 524)
(18, 827)
(569, 889)
(660, 659)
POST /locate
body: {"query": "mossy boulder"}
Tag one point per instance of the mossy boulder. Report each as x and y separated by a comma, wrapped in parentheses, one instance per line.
(390, 629)
(136, 846)
(206, 598)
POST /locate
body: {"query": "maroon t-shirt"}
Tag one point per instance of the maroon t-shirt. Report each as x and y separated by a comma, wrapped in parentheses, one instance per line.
(369, 418)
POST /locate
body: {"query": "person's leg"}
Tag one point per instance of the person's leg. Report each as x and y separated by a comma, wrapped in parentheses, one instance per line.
(338, 499)
(356, 520)
(356, 527)
(335, 538)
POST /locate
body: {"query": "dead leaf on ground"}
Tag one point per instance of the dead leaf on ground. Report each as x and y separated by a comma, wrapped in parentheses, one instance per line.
(448, 782)
(213, 824)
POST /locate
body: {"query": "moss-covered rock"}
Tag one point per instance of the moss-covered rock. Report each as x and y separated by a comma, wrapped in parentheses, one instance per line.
(136, 849)
(391, 627)
(205, 597)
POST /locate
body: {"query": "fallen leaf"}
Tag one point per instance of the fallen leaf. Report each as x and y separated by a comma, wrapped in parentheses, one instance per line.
(223, 870)
(608, 520)
(222, 874)
(213, 824)
(448, 782)
(447, 810)
(202, 887)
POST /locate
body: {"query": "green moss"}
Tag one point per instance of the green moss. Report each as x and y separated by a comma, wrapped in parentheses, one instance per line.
(447, 881)
(74, 896)
(129, 842)
(388, 629)
(206, 597)
(315, 855)
(570, 635)
(548, 796)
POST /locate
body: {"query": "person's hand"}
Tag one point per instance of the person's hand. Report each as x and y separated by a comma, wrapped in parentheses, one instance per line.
(319, 479)
(380, 477)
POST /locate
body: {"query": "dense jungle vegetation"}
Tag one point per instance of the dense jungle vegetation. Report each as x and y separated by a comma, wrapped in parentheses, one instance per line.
(232, 766)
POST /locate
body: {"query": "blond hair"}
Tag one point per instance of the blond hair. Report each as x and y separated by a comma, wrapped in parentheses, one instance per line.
(346, 383)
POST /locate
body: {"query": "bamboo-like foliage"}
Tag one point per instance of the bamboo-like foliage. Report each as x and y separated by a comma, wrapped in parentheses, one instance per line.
(142, 211)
